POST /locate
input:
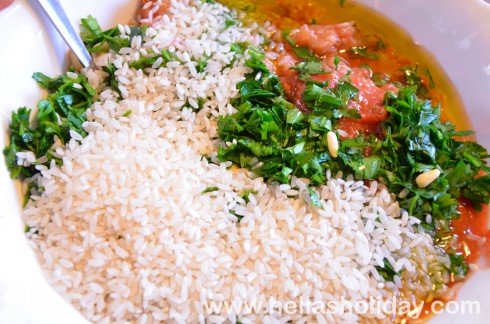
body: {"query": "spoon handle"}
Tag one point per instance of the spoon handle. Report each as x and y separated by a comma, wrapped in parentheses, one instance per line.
(55, 13)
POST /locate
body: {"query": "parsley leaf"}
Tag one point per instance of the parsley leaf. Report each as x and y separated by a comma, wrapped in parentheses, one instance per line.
(363, 51)
(314, 198)
(413, 77)
(387, 271)
(63, 110)
(458, 265)
(148, 61)
(308, 68)
(246, 193)
(301, 51)
(98, 41)
(380, 79)
(209, 189)
(332, 103)
(230, 22)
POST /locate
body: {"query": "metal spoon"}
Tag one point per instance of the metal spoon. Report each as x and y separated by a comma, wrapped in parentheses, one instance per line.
(54, 11)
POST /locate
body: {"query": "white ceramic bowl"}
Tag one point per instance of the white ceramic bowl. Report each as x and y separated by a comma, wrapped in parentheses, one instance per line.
(456, 32)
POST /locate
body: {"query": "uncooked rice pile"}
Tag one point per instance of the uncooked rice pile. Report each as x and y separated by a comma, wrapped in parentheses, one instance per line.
(125, 233)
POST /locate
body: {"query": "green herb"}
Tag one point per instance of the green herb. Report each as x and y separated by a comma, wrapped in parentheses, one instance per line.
(459, 266)
(32, 186)
(308, 68)
(380, 79)
(200, 103)
(313, 21)
(98, 41)
(331, 103)
(315, 200)
(256, 60)
(387, 271)
(127, 113)
(336, 62)
(411, 75)
(111, 78)
(412, 78)
(148, 61)
(245, 196)
(301, 51)
(91, 32)
(342, 2)
(62, 111)
(287, 37)
(238, 48)
(209, 189)
(201, 65)
(28, 229)
(238, 216)
(246, 193)
(230, 22)
(363, 51)
(305, 53)
(205, 157)
(346, 77)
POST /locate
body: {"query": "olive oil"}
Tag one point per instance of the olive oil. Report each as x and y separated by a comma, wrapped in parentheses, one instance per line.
(292, 13)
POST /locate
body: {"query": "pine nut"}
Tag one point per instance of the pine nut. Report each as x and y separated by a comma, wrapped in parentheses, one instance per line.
(333, 144)
(426, 178)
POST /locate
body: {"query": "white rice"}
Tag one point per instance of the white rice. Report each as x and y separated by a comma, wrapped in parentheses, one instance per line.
(124, 232)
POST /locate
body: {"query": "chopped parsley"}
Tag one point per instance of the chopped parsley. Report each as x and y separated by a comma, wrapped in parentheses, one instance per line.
(331, 103)
(111, 78)
(201, 65)
(246, 193)
(314, 198)
(230, 22)
(308, 68)
(127, 113)
(380, 79)
(61, 112)
(210, 189)
(98, 41)
(458, 265)
(413, 77)
(336, 62)
(387, 271)
(287, 142)
(363, 51)
(148, 61)
(302, 52)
